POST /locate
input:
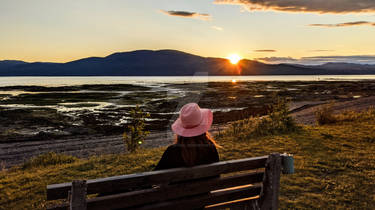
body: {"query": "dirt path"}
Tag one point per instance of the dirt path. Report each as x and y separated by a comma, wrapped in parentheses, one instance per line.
(305, 114)
(18, 152)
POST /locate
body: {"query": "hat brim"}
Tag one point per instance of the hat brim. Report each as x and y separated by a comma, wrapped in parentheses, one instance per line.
(204, 126)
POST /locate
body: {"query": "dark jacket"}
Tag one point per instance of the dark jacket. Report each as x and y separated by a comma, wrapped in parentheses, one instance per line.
(172, 157)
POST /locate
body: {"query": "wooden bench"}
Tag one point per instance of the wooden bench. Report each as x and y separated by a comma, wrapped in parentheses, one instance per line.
(251, 183)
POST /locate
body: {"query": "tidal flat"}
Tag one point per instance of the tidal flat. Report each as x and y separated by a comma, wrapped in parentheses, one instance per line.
(96, 115)
(34, 112)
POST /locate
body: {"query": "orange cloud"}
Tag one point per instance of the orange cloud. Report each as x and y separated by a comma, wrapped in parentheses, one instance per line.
(314, 6)
(357, 23)
(318, 60)
(264, 50)
(186, 14)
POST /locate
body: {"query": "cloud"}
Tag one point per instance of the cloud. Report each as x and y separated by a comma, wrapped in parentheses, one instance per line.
(361, 59)
(313, 6)
(320, 50)
(275, 60)
(264, 50)
(186, 14)
(217, 28)
(357, 23)
(318, 60)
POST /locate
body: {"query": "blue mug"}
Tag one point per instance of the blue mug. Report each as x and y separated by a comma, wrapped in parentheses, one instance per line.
(288, 164)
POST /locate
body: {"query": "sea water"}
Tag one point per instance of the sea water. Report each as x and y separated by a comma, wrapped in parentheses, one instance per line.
(148, 80)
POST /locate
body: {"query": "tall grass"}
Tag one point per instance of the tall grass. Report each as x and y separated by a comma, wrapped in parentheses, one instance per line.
(350, 115)
(325, 115)
(278, 121)
(48, 159)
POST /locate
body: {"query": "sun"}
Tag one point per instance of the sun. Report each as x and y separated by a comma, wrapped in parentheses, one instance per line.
(234, 58)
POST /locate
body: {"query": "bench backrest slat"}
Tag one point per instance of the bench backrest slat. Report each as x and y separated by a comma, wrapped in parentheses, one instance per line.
(124, 182)
(169, 192)
(202, 200)
(246, 203)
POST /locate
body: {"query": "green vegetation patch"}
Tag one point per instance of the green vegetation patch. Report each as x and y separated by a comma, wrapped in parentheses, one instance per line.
(48, 159)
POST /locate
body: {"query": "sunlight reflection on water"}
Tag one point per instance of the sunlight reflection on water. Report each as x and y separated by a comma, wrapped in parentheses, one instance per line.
(151, 80)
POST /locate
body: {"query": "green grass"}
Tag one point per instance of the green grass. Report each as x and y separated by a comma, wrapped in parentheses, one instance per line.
(48, 159)
(334, 167)
(25, 187)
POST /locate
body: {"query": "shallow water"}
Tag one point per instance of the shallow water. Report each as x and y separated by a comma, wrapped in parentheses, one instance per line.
(152, 81)
(104, 109)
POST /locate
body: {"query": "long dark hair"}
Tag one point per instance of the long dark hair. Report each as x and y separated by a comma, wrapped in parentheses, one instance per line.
(193, 146)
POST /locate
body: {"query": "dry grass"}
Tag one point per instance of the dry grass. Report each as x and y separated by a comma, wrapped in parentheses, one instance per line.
(335, 167)
(325, 115)
(278, 121)
(49, 159)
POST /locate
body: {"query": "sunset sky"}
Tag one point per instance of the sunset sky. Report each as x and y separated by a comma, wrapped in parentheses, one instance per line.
(300, 31)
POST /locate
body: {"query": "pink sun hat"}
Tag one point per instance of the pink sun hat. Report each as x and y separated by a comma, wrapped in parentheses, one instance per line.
(193, 121)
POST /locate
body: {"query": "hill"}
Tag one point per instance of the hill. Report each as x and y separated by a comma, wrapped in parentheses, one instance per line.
(170, 63)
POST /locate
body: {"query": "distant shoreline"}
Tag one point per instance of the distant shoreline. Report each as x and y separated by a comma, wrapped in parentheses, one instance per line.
(146, 80)
(196, 75)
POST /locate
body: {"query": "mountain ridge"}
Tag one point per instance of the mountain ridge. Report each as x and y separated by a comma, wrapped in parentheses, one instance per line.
(170, 63)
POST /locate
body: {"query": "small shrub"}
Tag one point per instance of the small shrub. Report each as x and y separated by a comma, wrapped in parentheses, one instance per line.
(324, 115)
(278, 121)
(135, 134)
(48, 159)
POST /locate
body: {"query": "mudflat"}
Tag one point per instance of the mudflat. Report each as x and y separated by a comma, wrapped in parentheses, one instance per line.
(88, 120)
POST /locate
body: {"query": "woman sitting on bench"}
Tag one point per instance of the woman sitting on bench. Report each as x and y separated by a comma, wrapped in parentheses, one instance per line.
(193, 145)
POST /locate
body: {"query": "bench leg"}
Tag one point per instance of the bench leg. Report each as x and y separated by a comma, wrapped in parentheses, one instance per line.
(78, 195)
(269, 197)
